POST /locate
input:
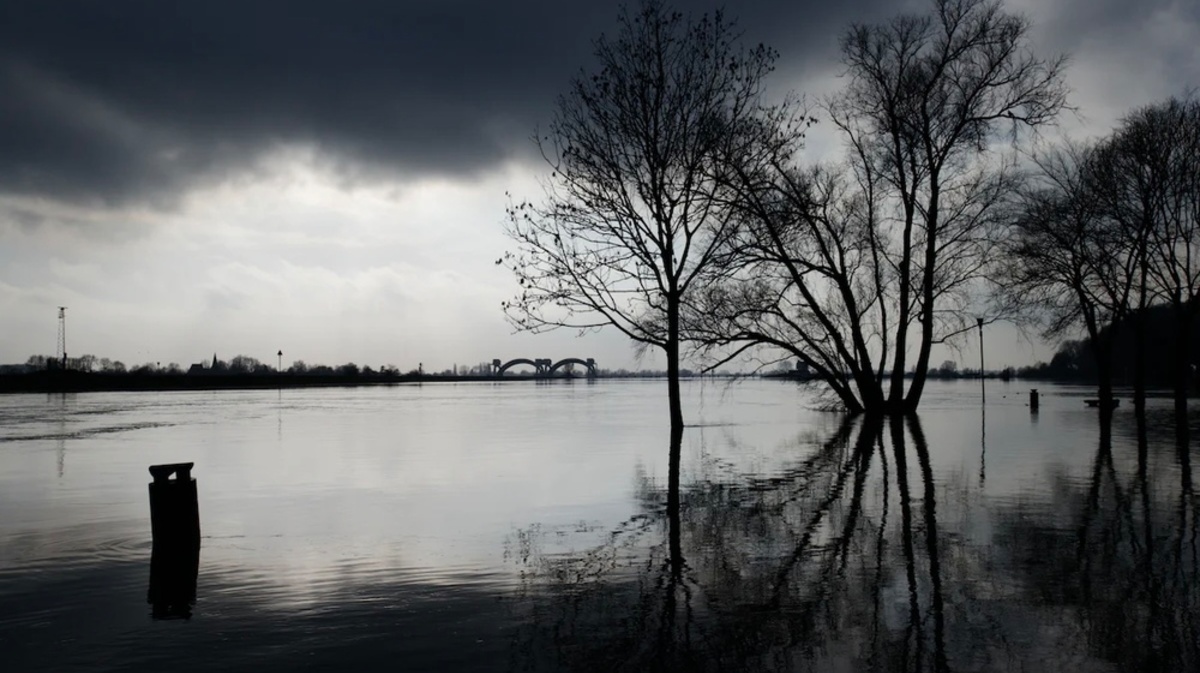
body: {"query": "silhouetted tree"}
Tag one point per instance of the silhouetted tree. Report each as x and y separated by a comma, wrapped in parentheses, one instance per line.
(243, 364)
(843, 266)
(1066, 262)
(1149, 184)
(1110, 231)
(631, 215)
(85, 363)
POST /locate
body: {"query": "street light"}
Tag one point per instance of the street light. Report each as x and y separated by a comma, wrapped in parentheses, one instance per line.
(979, 323)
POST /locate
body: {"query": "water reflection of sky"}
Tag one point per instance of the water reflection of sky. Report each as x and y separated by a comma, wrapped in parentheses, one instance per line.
(444, 527)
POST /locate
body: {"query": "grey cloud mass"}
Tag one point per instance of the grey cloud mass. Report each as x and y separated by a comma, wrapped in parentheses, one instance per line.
(136, 101)
(111, 103)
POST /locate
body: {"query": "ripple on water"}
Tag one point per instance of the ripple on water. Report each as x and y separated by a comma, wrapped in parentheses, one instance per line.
(84, 433)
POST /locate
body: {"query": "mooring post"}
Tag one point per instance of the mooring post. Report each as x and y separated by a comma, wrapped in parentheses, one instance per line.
(1033, 399)
(175, 531)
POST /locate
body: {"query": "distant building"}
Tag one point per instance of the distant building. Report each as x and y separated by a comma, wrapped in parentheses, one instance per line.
(205, 369)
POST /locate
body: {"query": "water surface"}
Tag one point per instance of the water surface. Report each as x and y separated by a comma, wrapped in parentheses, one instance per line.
(524, 526)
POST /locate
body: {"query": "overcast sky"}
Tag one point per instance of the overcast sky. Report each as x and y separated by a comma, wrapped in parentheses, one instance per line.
(328, 178)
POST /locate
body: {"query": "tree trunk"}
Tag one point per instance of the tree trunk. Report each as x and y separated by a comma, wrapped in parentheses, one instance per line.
(672, 351)
(676, 547)
(1139, 341)
(896, 382)
(1102, 352)
(1182, 358)
(926, 316)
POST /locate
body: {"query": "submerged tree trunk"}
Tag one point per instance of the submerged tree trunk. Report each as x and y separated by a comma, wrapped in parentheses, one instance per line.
(1102, 352)
(1181, 360)
(673, 500)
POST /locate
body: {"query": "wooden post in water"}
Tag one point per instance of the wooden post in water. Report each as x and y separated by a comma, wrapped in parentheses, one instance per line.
(175, 529)
(1033, 400)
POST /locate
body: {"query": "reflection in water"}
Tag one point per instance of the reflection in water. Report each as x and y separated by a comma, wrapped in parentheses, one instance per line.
(279, 416)
(173, 573)
(1131, 576)
(982, 436)
(60, 417)
(758, 573)
(375, 542)
(810, 569)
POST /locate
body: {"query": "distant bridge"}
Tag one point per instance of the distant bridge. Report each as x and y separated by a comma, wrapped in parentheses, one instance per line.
(544, 366)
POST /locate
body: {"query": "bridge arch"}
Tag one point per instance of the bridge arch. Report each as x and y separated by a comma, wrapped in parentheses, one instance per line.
(589, 363)
(540, 366)
(543, 366)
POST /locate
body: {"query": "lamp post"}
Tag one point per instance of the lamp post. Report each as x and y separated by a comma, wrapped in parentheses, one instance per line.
(280, 367)
(979, 323)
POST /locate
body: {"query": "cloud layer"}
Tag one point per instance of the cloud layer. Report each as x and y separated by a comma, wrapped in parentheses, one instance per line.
(111, 103)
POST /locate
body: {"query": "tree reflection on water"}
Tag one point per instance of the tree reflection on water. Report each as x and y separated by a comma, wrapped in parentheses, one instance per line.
(855, 557)
(1127, 575)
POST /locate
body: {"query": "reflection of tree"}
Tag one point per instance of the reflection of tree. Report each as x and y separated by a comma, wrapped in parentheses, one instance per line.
(848, 559)
(1124, 565)
(804, 569)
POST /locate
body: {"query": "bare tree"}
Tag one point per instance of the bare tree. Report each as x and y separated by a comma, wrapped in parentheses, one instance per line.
(1149, 184)
(632, 215)
(1067, 263)
(846, 265)
(1111, 231)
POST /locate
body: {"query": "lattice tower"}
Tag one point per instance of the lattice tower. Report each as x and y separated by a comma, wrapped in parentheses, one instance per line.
(61, 353)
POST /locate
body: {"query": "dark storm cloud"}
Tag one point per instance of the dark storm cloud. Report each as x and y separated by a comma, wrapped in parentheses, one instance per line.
(135, 101)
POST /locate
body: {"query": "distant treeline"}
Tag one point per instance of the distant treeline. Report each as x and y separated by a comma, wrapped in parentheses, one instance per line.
(245, 365)
(42, 373)
(238, 365)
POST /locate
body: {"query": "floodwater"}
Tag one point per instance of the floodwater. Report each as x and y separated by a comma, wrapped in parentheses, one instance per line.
(525, 526)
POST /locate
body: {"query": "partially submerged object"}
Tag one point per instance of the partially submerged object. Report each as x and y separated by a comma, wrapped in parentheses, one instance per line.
(175, 550)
